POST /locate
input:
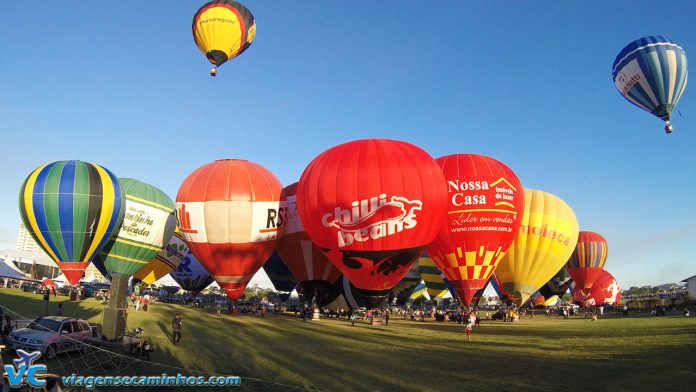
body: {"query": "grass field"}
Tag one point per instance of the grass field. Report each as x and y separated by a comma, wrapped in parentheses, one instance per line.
(544, 353)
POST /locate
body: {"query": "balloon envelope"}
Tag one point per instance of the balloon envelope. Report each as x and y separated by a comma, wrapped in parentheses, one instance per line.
(280, 276)
(229, 215)
(372, 206)
(191, 275)
(308, 263)
(499, 289)
(71, 209)
(485, 208)
(344, 295)
(148, 223)
(432, 277)
(405, 287)
(546, 238)
(587, 261)
(604, 291)
(558, 285)
(223, 29)
(651, 73)
(419, 291)
(165, 262)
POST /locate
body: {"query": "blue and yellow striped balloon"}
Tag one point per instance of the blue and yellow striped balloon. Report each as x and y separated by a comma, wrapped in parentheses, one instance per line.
(71, 209)
(651, 73)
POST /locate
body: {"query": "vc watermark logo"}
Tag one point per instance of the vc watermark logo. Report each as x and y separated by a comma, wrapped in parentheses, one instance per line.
(23, 371)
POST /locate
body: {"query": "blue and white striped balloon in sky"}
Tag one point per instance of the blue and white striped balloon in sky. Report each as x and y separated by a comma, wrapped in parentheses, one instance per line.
(651, 73)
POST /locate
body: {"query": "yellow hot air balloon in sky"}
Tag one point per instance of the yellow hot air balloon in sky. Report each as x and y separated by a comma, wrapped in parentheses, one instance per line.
(547, 237)
(222, 30)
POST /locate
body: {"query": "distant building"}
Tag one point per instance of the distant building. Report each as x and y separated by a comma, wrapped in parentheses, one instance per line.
(25, 242)
(691, 286)
(92, 273)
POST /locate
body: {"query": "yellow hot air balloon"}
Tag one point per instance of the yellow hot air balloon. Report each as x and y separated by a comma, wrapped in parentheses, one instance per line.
(551, 301)
(547, 237)
(165, 262)
(222, 30)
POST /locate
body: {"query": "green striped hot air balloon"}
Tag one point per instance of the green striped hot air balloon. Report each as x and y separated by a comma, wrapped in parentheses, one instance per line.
(149, 222)
(405, 287)
(431, 276)
(71, 209)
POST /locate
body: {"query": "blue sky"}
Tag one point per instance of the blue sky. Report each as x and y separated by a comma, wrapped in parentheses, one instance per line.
(528, 83)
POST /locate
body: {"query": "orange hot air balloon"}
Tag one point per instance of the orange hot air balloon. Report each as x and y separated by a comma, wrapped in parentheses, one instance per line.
(484, 211)
(587, 261)
(305, 260)
(229, 215)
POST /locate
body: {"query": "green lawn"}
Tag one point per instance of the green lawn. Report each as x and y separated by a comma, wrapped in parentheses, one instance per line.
(543, 353)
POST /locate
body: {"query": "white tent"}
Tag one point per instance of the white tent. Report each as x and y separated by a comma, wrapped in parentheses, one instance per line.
(8, 269)
(166, 280)
(60, 280)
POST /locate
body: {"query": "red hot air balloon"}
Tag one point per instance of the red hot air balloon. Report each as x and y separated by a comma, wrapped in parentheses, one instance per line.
(486, 202)
(306, 262)
(229, 215)
(587, 261)
(372, 206)
(605, 289)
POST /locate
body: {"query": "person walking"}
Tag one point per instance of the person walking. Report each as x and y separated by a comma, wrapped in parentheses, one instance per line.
(177, 321)
(218, 309)
(352, 319)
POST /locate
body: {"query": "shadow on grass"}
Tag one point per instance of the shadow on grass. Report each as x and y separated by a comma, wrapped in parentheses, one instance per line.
(332, 355)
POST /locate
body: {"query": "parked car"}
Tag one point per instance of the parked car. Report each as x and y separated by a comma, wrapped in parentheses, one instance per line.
(51, 335)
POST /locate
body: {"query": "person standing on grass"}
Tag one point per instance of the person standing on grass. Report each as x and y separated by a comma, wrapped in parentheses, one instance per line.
(469, 327)
(218, 309)
(352, 319)
(177, 322)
